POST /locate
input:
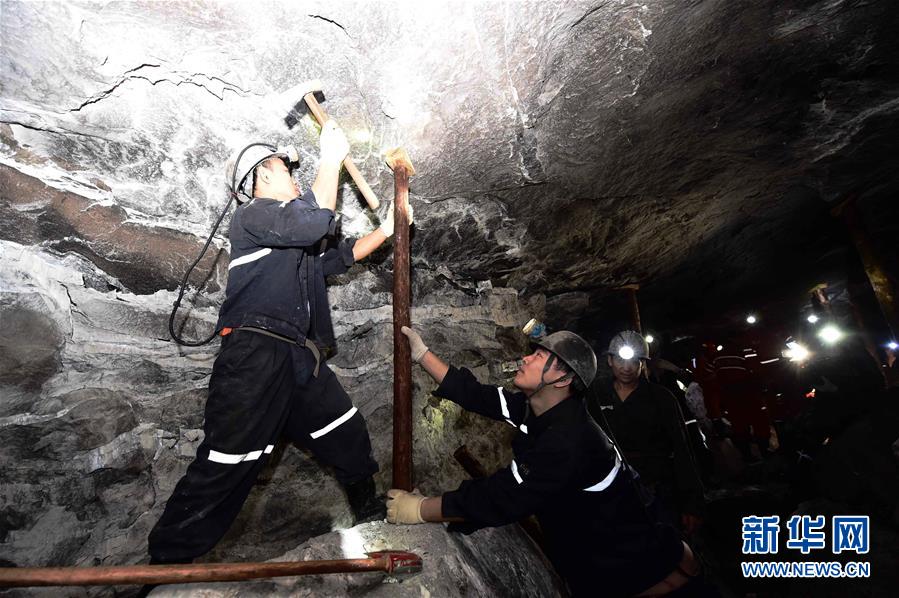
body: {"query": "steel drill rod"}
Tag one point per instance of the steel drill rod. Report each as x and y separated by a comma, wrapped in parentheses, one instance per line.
(402, 359)
(388, 561)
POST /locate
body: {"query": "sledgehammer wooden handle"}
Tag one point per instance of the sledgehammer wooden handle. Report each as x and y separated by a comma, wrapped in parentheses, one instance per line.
(320, 115)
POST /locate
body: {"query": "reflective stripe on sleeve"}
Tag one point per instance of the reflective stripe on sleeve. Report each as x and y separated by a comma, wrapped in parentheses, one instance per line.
(250, 257)
(515, 472)
(233, 459)
(343, 418)
(607, 481)
(502, 404)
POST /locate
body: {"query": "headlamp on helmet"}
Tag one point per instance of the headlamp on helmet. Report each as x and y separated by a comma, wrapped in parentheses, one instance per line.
(626, 352)
(240, 166)
(628, 345)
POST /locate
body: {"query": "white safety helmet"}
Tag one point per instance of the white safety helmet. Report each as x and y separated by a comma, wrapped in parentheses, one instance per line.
(241, 164)
(629, 345)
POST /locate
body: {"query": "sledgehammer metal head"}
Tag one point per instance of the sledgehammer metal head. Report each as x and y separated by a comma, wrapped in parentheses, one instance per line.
(295, 102)
(304, 96)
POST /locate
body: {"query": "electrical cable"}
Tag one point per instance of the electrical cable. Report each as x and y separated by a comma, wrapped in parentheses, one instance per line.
(183, 286)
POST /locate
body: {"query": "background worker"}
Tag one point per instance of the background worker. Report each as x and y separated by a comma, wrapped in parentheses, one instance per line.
(269, 378)
(598, 534)
(645, 421)
(739, 388)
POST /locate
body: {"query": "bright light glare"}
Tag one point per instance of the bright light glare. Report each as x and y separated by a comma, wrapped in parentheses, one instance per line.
(719, 347)
(351, 543)
(750, 319)
(626, 353)
(796, 352)
(812, 319)
(830, 334)
(680, 385)
(650, 338)
(892, 346)
(361, 136)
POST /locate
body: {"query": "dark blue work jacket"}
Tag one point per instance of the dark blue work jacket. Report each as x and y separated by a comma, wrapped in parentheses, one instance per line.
(599, 536)
(280, 255)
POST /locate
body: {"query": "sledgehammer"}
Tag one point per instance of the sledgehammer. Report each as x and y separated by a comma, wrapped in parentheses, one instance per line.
(308, 90)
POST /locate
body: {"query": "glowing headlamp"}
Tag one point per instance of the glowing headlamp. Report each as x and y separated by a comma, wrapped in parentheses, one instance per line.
(626, 353)
(830, 334)
(796, 352)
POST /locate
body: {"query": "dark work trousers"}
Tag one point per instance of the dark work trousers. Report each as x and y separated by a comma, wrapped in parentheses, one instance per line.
(260, 388)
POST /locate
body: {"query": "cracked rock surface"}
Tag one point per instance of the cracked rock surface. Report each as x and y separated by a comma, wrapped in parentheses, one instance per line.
(562, 149)
(101, 414)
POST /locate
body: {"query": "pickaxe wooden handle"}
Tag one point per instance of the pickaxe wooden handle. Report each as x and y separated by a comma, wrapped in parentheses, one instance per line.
(322, 117)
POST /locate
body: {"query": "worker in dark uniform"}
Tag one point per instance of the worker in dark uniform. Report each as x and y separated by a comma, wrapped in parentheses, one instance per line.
(599, 535)
(739, 387)
(270, 378)
(645, 421)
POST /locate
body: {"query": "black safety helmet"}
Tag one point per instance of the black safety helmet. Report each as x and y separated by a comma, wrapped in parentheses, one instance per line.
(574, 351)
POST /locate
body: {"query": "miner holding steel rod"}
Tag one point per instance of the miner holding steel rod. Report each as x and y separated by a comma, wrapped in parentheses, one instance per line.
(601, 532)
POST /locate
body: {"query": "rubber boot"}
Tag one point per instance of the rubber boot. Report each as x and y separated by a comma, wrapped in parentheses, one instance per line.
(366, 506)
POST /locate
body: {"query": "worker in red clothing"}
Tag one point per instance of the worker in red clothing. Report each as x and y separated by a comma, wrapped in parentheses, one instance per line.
(737, 384)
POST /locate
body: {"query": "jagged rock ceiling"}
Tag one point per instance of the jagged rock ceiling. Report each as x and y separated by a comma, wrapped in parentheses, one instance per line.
(692, 147)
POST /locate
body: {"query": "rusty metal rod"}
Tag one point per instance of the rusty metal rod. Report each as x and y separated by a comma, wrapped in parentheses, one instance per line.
(18, 577)
(402, 359)
(471, 465)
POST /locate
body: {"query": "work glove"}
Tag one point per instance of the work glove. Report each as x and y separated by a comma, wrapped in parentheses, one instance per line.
(334, 146)
(419, 348)
(403, 507)
(387, 223)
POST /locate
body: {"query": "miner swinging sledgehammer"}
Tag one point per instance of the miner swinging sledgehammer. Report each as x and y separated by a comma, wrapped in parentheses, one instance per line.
(270, 379)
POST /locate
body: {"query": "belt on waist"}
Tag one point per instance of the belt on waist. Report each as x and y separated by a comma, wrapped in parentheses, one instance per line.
(306, 343)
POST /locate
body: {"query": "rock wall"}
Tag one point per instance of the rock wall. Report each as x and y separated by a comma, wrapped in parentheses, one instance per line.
(102, 413)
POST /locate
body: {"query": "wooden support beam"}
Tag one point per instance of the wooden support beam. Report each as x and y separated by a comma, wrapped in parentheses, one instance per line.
(881, 283)
(631, 290)
(399, 161)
